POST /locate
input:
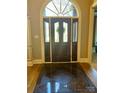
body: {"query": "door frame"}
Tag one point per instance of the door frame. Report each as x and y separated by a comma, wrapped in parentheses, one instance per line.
(79, 59)
(91, 27)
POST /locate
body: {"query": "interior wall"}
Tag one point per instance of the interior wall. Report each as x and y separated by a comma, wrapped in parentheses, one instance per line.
(33, 10)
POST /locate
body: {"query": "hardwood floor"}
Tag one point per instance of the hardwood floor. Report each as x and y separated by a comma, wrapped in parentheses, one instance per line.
(32, 76)
(91, 72)
(34, 72)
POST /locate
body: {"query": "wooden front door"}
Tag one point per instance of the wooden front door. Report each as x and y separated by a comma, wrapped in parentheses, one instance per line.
(60, 39)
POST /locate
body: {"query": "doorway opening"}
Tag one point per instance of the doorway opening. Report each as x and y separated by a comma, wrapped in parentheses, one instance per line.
(60, 23)
(94, 43)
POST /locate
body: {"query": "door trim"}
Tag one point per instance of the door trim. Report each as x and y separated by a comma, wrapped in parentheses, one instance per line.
(79, 30)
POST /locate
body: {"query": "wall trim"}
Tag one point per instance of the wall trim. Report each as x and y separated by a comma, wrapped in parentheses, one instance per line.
(94, 4)
(84, 60)
(90, 39)
(29, 43)
(40, 61)
(29, 63)
(37, 61)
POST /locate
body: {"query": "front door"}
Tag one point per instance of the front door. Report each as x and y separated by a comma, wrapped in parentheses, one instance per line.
(60, 39)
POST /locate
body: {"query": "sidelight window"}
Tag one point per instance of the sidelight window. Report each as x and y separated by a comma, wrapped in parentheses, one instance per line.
(75, 28)
(47, 32)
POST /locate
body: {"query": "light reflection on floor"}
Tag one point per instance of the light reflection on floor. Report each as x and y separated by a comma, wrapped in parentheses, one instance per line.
(57, 86)
(48, 87)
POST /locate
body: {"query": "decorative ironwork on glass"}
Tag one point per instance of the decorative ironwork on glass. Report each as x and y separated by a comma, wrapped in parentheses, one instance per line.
(60, 8)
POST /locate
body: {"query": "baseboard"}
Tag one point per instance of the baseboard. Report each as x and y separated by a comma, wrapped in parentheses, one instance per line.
(40, 61)
(84, 60)
(37, 61)
(30, 63)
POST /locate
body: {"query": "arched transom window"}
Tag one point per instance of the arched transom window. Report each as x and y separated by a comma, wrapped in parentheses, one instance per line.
(60, 8)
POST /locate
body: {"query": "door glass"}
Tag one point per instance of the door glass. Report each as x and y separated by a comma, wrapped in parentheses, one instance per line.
(46, 32)
(56, 33)
(60, 8)
(75, 31)
(65, 32)
(51, 10)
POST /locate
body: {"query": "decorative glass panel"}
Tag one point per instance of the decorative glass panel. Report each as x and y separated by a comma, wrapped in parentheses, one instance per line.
(65, 32)
(56, 4)
(69, 8)
(56, 33)
(46, 32)
(48, 12)
(64, 4)
(60, 8)
(75, 24)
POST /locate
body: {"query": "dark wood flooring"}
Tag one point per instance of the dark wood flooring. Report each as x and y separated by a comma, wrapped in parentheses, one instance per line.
(64, 78)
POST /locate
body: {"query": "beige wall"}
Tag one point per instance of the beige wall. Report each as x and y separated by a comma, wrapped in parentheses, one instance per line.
(34, 7)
